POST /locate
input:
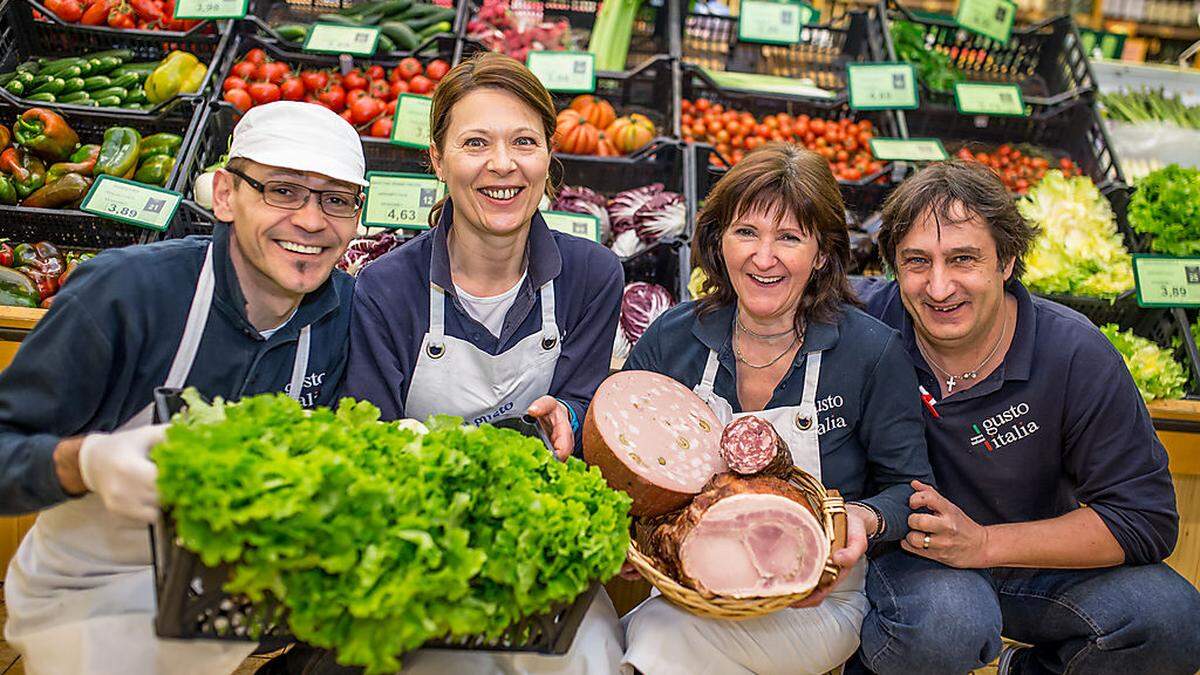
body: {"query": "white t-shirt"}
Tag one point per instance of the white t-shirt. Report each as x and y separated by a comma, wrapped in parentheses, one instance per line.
(490, 311)
(266, 334)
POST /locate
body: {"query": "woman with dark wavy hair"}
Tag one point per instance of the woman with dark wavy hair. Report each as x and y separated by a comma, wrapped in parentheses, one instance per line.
(778, 334)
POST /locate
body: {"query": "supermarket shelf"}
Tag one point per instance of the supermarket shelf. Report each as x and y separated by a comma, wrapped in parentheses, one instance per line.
(1117, 75)
(1161, 31)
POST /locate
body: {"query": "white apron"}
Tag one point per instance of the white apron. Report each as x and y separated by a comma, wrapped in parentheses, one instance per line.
(454, 377)
(80, 590)
(666, 640)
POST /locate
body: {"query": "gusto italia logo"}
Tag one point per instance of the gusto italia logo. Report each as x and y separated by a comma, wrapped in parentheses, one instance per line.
(1003, 428)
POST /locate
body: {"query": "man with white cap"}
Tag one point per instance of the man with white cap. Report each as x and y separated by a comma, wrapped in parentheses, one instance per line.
(255, 308)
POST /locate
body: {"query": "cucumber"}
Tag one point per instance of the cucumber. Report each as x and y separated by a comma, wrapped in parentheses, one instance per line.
(385, 44)
(108, 102)
(421, 23)
(119, 54)
(71, 85)
(101, 94)
(419, 10)
(44, 97)
(50, 67)
(399, 32)
(30, 66)
(103, 64)
(292, 32)
(143, 69)
(15, 87)
(97, 82)
(435, 29)
(74, 97)
(390, 8)
(339, 20)
(125, 81)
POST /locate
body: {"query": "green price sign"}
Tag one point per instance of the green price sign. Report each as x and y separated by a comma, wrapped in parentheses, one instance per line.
(908, 150)
(211, 9)
(130, 202)
(882, 86)
(329, 38)
(1163, 281)
(989, 18)
(774, 22)
(400, 200)
(567, 72)
(578, 224)
(989, 99)
(410, 127)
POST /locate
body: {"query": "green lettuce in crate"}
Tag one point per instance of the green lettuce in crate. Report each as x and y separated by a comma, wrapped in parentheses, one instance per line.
(1166, 205)
(1154, 369)
(378, 538)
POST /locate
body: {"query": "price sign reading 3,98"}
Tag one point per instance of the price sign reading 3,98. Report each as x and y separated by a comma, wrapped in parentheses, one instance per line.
(1164, 281)
(130, 202)
(210, 9)
(401, 200)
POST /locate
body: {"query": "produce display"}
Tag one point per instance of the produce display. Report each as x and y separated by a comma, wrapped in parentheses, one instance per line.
(365, 250)
(1019, 168)
(1079, 250)
(934, 63)
(501, 29)
(404, 25)
(1154, 369)
(590, 126)
(365, 97)
(641, 304)
(122, 14)
(1166, 206)
(631, 221)
(106, 79)
(844, 143)
(1148, 105)
(376, 537)
(31, 274)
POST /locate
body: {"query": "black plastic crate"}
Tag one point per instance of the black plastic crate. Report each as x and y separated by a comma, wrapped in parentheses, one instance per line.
(711, 42)
(77, 229)
(1046, 59)
(667, 264)
(192, 604)
(652, 29)
(22, 37)
(265, 15)
(648, 89)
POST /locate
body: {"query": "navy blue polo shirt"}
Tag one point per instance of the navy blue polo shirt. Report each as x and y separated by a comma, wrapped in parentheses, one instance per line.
(1059, 423)
(390, 315)
(94, 360)
(872, 439)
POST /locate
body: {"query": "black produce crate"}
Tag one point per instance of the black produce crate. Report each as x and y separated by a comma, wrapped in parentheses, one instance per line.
(77, 229)
(1045, 59)
(652, 34)
(192, 604)
(1076, 132)
(264, 15)
(23, 37)
(667, 264)
(821, 56)
(648, 89)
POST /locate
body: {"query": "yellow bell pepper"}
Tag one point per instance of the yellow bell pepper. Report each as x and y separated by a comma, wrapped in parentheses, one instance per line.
(176, 73)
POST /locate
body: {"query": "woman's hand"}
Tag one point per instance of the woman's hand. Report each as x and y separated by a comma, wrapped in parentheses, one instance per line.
(556, 422)
(858, 521)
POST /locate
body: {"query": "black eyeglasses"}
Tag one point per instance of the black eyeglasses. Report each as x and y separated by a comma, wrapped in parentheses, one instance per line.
(285, 195)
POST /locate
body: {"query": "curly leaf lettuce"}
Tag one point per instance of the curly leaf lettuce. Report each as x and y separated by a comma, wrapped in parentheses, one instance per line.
(1079, 251)
(1154, 369)
(378, 538)
(1166, 205)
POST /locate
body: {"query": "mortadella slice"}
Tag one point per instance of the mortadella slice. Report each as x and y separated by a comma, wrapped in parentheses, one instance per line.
(653, 438)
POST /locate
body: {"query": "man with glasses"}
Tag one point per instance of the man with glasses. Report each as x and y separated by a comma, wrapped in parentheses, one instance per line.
(255, 308)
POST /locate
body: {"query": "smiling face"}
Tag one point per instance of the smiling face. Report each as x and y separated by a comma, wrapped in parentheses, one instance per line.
(277, 250)
(770, 260)
(495, 161)
(951, 279)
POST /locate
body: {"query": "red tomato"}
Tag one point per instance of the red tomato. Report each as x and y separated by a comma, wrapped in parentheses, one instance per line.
(398, 87)
(354, 80)
(264, 92)
(255, 56)
(408, 68)
(365, 109)
(355, 96)
(390, 108)
(333, 98)
(262, 72)
(347, 116)
(277, 71)
(382, 128)
(232, 82)
(314, 80)
(436, 69)
(239, 98)
(244, 70)
(375, 72)
(420, 85)
(380, 89)
(292, 89)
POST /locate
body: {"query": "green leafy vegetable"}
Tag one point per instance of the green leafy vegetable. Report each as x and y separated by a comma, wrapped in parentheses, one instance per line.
(377, 538)
(1166, 205)
(1079, 251)
(934, 68)
(1154, 369)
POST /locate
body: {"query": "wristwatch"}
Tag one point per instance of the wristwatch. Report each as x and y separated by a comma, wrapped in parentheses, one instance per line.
(880, 523)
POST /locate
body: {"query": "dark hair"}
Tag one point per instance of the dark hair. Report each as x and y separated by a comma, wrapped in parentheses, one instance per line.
(488, 70)
(937, 188)
(779, 178)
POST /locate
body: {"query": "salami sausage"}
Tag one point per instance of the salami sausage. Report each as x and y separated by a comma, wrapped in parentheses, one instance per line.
(750, 445)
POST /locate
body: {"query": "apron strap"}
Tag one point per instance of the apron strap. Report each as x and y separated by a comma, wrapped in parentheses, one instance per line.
(197, 318)
(705, 389)
(812, 373)
(437, 315)
(550, 333)
(300, 365)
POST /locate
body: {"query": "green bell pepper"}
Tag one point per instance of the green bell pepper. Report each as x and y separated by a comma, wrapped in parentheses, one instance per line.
(17, 290)
(119, 153)
(67, 190)
(83, 166)
(155, 170)
(8, 191)
(27, 171)
(160, 144)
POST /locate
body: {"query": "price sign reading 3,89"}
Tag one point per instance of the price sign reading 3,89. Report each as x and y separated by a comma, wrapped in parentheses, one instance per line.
(130, 202)
(1164, 281)
(401, 200)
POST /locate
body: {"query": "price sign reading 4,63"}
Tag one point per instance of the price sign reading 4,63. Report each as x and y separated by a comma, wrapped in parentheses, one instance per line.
(566, 72)
(882, 86)
(1163, 281)
(578, 224)
(210, 9)
(400, 200)
(130, 202)
(776, 22)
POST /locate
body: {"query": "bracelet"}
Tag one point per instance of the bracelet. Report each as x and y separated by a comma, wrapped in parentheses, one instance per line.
(880, 523)
(570, 415)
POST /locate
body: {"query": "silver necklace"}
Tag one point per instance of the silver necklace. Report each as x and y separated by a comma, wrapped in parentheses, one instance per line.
(799, 337)
(952, 380)
(763, 336)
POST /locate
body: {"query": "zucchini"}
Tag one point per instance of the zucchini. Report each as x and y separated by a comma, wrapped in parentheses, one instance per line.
(101, 94)
(399, 33)
(125, 81)
(75, 97)
(97, 82)
(143, 69)
(15, 87)
(340, 20)
(71, 85)
(103, 64)
(119, 54)
(292, 32)
(109, 102)
(385, 44)
(29, 66)
(436, 29)
(421, 23)
(44, 97)
(390, 8)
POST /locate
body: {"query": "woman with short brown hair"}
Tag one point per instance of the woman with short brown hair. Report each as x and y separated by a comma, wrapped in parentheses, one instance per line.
(778, 335)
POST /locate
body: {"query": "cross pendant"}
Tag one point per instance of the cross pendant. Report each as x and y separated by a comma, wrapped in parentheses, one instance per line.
(950, 382)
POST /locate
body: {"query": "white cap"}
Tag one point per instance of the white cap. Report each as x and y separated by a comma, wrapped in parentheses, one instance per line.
(301, 137)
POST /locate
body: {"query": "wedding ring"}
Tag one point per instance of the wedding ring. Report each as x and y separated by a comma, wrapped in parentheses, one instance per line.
(925, 541)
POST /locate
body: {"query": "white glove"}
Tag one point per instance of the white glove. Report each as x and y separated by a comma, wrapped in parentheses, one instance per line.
(117, 467)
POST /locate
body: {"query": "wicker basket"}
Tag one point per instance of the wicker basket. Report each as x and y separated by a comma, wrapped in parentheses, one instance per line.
(828, 503)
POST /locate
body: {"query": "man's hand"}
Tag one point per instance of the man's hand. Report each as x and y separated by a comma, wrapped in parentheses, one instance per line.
(556, 422)
(946, 535)
(858, 521)
(117, 467)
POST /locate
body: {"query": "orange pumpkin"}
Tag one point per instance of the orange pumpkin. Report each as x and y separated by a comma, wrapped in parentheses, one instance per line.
(605, 148)
(575, 136)
(630, 133)
(598, 112)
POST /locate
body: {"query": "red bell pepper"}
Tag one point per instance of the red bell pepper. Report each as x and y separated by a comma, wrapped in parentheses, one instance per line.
(46, 134)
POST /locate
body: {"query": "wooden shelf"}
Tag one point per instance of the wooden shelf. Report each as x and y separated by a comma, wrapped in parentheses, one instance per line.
(20, 318)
